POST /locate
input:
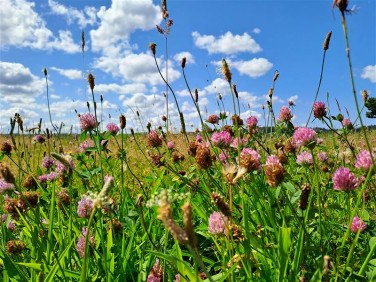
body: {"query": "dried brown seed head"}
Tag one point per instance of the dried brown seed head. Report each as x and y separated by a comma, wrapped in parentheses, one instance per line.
(275, 174)
(183, 61)
(235, 91)
(203, 157)
(221, 204)
(276, 74)
(327, 41)
(152, 47)
(226, 71)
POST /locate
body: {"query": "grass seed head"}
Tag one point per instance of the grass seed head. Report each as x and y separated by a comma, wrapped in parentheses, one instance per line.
(276, 74)
(327, 41)
(183, 61)
(235, 91)
(303, 201)
(122, 121)
(165, 214)
(152, 47)
(188, 224)
(226, 71)
(221, 204)
(90, 79)
(365, 96)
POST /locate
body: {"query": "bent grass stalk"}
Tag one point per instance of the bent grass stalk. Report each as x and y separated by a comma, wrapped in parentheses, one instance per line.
(173, 94)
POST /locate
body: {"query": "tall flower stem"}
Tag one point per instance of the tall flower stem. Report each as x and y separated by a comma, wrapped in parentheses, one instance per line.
(173, 94)
(85, 263)
(97, 144)
(318, 87)
(353, 84)
(196, 105)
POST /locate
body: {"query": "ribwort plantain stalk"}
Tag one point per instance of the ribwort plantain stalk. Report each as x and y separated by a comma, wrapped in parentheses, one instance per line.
(173, 94)
(353, 84)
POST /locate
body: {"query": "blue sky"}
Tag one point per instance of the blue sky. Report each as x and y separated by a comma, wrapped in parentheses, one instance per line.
(255, 37)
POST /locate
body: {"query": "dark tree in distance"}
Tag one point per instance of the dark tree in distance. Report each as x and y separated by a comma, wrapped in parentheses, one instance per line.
(371, 106)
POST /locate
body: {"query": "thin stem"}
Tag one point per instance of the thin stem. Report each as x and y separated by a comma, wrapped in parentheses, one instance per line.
(85, 266)
(173, 94)
(353, 85)
(318, 87)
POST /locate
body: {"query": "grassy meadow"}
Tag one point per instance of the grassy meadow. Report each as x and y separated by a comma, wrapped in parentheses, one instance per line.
(236, 200)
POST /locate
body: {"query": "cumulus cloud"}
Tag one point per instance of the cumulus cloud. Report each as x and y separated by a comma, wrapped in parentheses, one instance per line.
(121, 19)
(369, 72)
(185, 93)
(120, 89)
(83, 18)
(139, 68)
(218, 85)
(23, 27)
(248, 113)
(226, 43)
(190, 58)
(253, 68)
(112, 40)
(69, 73)
(150, 107)
(18, 84)
(250, 99)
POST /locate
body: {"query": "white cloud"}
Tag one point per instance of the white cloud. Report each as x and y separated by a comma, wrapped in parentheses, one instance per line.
(190, 58)
(112, 40)
(248, 113)
(23, 27)
(69, 73)
(55, 97)
(369, 72)
(293, 98)
(253, 68)
(66, 107)
(18, 84)
(250, 99)
(185, 93)
(226, 43)
(120, 89)
(120, 20)
(218, 85)
(139, 68)
(24, 113)
(275, 99)
(83, 18)
(256, 30)
(150, 107)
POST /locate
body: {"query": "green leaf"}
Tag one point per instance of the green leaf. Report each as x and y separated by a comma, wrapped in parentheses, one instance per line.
(36, 266)
(55, 268)
(284, 243)
(316, 276)
(12, 269)
(83, 136)
(110, 258)
(188, 268)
